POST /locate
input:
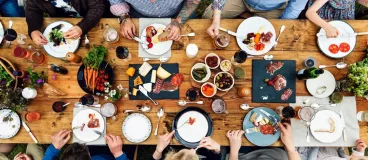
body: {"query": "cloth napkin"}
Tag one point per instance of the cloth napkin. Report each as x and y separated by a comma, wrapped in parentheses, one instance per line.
(143, 23)
(348, 108)
(101, 140)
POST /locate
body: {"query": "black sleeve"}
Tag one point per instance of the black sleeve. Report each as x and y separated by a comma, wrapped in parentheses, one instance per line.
(96, 9)
(34, 16)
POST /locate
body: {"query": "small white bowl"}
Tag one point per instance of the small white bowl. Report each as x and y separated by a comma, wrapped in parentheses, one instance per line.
(200, 65)
(212, 55)
(225, 69)
(214, 89)
(232, 85)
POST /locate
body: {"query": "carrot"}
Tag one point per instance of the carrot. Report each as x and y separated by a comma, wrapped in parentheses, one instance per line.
(89, 76)
(94, 75)
(85, 75)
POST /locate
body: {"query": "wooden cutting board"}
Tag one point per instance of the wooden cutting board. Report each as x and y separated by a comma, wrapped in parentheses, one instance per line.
(260, 89)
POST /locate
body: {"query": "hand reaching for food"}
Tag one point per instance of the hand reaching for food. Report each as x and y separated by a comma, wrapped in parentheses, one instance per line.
(332, 32)
(213, 30)
(73, 33)
(287, 137)
(60, 139)
(127, 29)
(174, 30)
(164, 141)
(361, 146)
(38, 38)
(210, 144)
(235, 139)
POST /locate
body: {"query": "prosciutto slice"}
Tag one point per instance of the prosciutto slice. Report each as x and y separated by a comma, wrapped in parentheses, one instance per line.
(274, 66)
(279, 82)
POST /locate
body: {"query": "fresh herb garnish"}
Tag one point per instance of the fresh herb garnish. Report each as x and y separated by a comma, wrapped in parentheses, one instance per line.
(95, 56)
(5, 76)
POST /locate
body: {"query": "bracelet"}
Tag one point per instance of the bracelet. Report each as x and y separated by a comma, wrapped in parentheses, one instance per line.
(123, 18)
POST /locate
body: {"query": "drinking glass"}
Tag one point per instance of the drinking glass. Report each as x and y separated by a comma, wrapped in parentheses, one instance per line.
(21, 52)
(222, 40)
(362, 116)
(192, 94)
(306, 113)
(37, 57)
(239, 57)
(109, 110)
(123, 53)
(10, 35)
(89, 99)
(110, 34)
(58, 106)
(219, 106)
(336, 97)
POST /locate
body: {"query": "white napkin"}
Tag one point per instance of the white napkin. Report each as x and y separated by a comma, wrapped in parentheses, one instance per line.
(101, 140)
(143, 23)
(348, 108)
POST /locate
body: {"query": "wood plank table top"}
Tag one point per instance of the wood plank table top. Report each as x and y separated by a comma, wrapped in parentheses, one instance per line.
(296, 43)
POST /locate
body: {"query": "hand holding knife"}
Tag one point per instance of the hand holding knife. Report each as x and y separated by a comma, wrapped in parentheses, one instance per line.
(29, 131)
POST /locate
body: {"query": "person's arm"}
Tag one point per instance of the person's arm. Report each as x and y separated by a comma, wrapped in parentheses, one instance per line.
(189, 7)
(163, 142)
(287, 139)
(122, 157)
(96, 9)
(34, 16)
(293, 9)
(217, 6)
(119, 7)
(235, 139)
(51, 153)
(316, 19)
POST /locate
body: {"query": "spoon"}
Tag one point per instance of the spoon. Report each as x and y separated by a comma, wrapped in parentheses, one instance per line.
(321, 90)
(183, 102)
(277, 39)
(188, 35)
(245, 107)
(161, 59)
(140, 108)
(308, 136)
(340, 65)
(160, 113)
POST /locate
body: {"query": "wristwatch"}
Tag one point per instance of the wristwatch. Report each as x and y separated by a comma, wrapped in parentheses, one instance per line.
(123, 18)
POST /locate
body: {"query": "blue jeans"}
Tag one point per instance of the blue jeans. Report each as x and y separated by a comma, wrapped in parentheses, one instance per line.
(10, 8)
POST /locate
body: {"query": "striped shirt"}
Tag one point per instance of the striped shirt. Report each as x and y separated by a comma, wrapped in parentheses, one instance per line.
(154, 8)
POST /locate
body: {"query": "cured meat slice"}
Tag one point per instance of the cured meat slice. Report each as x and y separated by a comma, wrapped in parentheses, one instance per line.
(158, 86)
(93, 121)
(286, 95)
(151, 31)
(274, 66)
(267, 37)
(279, 82)
(267, 129)
(167, 86)
(177, 79)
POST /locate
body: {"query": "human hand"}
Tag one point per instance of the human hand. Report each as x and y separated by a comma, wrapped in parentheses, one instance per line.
(235, 139)
(287, 137)
(174, 30)
(213, 30)
(74, 32)
(59, 139)
(332, 32)
(127, 28)
(115, 145)
(38, 38)
(361, 146)
(210, 144)
(21, 156)
(164, 141)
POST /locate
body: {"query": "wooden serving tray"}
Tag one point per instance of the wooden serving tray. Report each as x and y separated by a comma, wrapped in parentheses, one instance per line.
(213, 73)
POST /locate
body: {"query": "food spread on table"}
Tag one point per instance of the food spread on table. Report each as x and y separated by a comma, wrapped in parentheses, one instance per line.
(224, 80)
(258, 40)
(155, 35)
(57, 36)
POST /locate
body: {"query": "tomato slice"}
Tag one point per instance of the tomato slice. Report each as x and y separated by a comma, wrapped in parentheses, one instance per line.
(333, 48)
(344, 47)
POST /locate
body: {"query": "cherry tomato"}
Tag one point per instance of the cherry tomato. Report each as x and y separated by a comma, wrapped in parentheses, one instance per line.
(148, 39)
(333, 48)
(106, 76)
(344, 47)
(150, 45)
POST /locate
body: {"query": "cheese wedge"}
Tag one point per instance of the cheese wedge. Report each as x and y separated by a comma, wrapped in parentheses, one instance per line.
(138, 81)
(153, 76)
(135, 91)
(162, 73)
(148, 87)
(145, 69)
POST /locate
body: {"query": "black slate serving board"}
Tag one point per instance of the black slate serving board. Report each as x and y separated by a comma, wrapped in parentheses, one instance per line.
(260, 88)
(170, 67)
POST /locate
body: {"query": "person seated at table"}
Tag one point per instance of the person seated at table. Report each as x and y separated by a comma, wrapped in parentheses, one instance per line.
(186, 154)
(271, 9)
(10, 8)
(332, 153)
(321, 10)
(181, 10)
(78, 151)
(91, 11)
(33, 152)
(235, 139)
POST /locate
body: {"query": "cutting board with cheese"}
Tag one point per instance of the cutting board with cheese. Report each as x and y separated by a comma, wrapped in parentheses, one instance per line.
(146, 75)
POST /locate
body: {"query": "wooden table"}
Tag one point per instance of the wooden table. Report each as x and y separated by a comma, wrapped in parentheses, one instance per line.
(297, 43)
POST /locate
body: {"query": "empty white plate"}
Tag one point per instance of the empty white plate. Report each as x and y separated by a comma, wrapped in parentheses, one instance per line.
(193, 133)
(137, 128)
(325, 79)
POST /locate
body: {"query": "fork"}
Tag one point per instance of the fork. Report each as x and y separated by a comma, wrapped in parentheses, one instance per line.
(182, 125)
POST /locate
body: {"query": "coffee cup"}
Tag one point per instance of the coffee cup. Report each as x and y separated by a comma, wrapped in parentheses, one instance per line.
(219, 106)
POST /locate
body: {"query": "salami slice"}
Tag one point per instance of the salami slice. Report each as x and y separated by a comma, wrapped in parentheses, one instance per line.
(286, 95)
(177, 79)
(158, 86)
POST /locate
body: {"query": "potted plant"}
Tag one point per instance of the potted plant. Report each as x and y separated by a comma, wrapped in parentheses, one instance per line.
(32, 80)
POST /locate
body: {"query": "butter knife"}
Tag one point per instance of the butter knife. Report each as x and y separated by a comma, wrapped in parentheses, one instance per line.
(232, 33)
(140, 40)
(99, 133)
(343, 126)
(145, 92)
(29, 132)
(273, 118)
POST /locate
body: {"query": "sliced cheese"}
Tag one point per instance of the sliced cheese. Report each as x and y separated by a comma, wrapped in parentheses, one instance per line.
(145, 69)
(266, 120)
(138, 81)
(148, 87)
(162, 73)
(259, 118)
(135, 91)
(153, 76)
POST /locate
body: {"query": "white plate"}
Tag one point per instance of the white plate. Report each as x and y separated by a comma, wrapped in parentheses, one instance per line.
(193, 133)
(62, 50)
(200, 65)
(137, 128)
(344, 29)
(9, 129)
(160, 47)
(320, 121)
(253, 24)
(87, 135)
(325, 79)
(1, 32)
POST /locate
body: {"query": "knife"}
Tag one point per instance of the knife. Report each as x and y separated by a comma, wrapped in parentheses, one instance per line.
(140, 40)
(274, 119)
(99, 133)
(145, 92)
(29, 132)
(343, 126)
(232, 33)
